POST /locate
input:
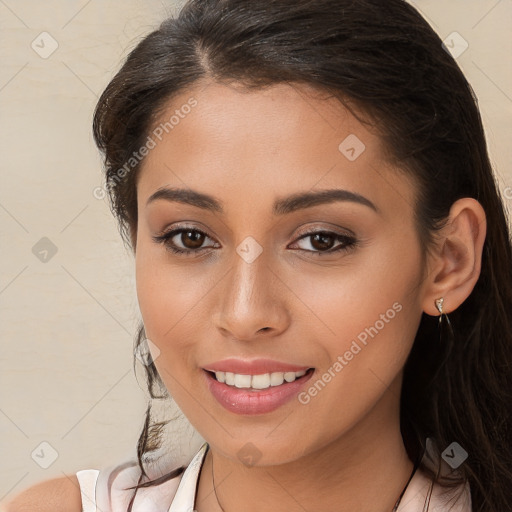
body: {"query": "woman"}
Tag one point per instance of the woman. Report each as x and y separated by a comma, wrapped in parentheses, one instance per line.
(322, 262)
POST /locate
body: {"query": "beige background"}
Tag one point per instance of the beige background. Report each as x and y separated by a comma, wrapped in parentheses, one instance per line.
(67, 324)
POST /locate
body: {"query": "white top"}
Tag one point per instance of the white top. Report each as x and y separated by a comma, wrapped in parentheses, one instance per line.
(106, 491)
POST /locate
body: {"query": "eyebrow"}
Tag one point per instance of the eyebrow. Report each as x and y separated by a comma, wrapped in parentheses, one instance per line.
(281, 206)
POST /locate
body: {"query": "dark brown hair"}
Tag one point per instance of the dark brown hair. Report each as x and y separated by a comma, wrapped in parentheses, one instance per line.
(383, 57)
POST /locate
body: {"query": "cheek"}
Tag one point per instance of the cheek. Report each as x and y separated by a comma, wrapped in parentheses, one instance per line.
(372, 313)
(348, 299)
(168, 303)
(168, 299)
(367, 313)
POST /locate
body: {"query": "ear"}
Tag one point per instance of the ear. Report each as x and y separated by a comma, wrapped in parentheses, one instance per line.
(455, 262)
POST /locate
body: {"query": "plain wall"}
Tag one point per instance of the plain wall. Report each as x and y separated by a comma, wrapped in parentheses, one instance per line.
(68, 323)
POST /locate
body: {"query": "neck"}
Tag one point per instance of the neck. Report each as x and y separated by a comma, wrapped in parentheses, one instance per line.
(365, 469)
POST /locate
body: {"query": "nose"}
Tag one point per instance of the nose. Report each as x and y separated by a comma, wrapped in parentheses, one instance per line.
(252, 301)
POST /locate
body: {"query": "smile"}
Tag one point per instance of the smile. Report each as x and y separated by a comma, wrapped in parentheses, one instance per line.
(255, 394)
(257, 382)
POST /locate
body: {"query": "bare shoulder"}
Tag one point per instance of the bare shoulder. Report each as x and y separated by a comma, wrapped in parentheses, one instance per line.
(57, 495)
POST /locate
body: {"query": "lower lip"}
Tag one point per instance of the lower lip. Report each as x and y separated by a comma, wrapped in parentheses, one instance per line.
(244, 401)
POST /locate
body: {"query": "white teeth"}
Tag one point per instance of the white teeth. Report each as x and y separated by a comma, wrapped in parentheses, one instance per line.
(242, 381)
(276, 379)
(262, 381)
(289, 376)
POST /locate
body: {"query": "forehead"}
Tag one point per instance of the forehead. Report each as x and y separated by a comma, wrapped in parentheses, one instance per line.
(251, 142)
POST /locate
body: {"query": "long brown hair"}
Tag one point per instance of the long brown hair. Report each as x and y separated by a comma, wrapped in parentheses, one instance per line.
(383, 57)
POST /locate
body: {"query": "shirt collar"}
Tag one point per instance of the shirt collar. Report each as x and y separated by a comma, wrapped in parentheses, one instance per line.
(415, 499)
(185, 494)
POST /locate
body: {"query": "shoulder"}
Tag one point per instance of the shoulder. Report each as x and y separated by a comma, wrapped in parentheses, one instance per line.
(423, 494)
(427, 493)
(57, 495)
(457, 499)
(114, 490)
(111, 492)
(110, 489)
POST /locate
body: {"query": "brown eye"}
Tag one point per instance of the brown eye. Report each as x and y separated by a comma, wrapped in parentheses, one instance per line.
(192, 239)
(322, 241)
(326, 242)
(184, 241)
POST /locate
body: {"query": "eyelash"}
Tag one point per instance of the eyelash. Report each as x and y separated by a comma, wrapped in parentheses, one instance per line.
(348, 242)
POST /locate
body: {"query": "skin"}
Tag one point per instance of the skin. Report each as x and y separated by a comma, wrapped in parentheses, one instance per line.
(247, 149)
(55, 495)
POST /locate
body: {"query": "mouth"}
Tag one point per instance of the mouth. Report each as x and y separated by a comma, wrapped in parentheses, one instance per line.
(261, 393)
(257, 383)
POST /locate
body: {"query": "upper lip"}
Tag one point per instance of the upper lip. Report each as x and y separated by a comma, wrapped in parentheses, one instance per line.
(253, 367)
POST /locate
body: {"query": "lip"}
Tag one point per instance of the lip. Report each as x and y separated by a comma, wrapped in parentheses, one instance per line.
(248, 402)
(253, 367)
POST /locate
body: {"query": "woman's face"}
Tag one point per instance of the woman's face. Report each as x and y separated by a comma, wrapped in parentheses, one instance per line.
(278, 275)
